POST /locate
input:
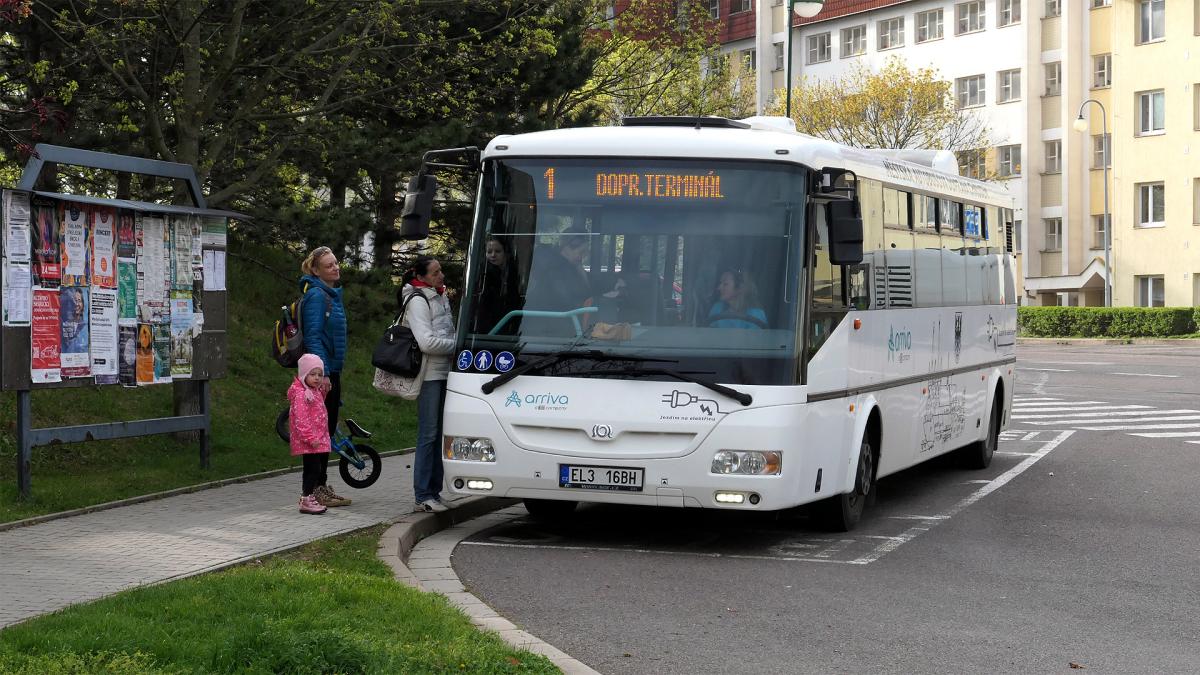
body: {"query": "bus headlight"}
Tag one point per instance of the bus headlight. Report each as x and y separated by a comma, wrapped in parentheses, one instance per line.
(465, 449)
(748, 462)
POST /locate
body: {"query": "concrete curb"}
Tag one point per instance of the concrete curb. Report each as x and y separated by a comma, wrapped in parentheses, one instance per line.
(168, 493)
(1105, 341)
(430, 569)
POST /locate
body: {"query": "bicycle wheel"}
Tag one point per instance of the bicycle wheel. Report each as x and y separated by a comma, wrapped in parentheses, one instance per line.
(366, 476)
(282, 427)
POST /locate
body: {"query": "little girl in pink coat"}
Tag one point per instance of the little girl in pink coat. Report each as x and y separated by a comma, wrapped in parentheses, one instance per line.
(309, 425)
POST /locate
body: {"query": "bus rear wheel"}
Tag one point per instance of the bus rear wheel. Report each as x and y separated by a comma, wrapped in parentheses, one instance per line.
(549, 509)
(978, 455)
(842, 513)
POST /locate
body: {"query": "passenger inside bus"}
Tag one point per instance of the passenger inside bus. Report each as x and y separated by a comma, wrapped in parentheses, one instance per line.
(500, 289)
(558, 281)
(737, 303)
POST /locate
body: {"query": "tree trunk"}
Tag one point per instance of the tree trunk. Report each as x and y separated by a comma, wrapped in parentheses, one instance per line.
(387, 210)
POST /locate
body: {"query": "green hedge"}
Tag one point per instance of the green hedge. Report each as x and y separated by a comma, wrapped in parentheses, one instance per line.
(1116, 322)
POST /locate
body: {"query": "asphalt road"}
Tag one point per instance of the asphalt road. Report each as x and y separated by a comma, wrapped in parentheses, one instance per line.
(1079, 545)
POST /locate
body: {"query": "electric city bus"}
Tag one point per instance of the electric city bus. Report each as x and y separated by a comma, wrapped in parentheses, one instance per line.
(710, 313)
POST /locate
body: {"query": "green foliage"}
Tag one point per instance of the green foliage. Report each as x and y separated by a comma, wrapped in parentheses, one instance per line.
(1113, 322)
(269, 616)
(244, 402)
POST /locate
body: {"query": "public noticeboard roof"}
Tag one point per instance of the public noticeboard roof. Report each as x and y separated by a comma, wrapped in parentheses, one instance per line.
(144, 207)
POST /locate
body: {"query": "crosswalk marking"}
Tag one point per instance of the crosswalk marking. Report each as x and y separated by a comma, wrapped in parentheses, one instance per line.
(1144, 421)
(1144, 374)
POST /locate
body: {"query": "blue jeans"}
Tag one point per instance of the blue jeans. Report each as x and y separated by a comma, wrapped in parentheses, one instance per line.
(427, 465)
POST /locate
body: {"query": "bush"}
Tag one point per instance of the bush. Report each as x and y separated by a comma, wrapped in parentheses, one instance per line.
(1112, 322)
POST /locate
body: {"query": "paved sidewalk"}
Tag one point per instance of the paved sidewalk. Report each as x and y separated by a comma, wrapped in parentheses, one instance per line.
(51, 565)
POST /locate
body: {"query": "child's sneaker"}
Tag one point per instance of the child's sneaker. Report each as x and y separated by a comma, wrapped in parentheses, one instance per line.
(309, 504)
(327, 497)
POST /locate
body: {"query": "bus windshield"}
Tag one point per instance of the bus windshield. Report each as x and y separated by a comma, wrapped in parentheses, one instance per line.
(697, 263)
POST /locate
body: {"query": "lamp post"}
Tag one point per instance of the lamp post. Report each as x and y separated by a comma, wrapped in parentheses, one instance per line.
(1082, 125)
(805, 9)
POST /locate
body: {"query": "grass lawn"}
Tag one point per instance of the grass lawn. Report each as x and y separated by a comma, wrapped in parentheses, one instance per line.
(244, 403)
(330, 607)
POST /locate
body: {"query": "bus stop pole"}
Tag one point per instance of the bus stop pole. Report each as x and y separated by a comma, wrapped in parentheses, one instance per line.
(24, 443)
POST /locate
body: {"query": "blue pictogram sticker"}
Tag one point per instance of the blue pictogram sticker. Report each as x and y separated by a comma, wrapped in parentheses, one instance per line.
(465, 357)
(505, 361)
(483, 360)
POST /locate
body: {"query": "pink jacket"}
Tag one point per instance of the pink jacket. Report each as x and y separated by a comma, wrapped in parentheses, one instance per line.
(308, 421)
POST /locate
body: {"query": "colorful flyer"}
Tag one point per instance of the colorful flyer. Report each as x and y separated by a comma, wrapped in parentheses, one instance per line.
(103, 332)
(73, 243)
(104, 252)
(45, 337)
(47, 270)
(144, 370)
(128, 351)
(73, 313)
(127, 291)
(181, 334)
(126, 237)
(162, 353)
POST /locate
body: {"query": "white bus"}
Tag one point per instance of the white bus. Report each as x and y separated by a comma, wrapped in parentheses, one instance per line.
(701, 312)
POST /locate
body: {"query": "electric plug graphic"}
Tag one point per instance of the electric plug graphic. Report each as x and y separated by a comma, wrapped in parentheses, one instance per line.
(679, 399)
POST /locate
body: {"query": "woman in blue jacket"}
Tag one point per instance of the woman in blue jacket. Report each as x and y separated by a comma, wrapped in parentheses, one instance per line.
(323, 322)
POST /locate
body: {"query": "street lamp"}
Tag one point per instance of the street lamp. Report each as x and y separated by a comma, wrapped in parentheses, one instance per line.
(1082, 125)
(805, 9)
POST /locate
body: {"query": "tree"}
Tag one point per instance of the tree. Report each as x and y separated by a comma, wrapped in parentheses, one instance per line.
(897, 107)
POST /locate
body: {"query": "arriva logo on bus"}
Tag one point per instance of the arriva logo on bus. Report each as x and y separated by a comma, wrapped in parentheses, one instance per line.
(899, 345)
(548, 401)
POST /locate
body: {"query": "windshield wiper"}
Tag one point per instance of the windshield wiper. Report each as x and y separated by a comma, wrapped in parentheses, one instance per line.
(556, 357)
(739, 396)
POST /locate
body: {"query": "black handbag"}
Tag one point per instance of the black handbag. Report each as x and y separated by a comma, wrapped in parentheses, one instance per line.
(397, 351)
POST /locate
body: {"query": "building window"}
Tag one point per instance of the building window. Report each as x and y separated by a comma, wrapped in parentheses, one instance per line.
(1196, 91)
(1101, 151)
(1009, 12)
(970, 91)
(818, 48)
(1053, 234)
(779, 55)
(1101, 71)
(1098, 223)
(891, 33)
(739, 6)
(1053, 78)
(1151, 112)
(1150, 291)
(1009, 160)
(714, 9)
(929, 25)
(1100, 3)
(749, 59)
(1196, 201)
(1151, 20)
(1053, 156)
(969, 17)
(1018, 236)
(1053, 8)
(1150, 205)
(1010, 85)
(973, 163)
(854, 40)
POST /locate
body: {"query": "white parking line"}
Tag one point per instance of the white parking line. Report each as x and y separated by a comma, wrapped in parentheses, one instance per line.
(1144, 427)
(1049, 370)
(1106, 413)
(1045, 404)
(1170, 434)
(1084, 407)
(1144, 374)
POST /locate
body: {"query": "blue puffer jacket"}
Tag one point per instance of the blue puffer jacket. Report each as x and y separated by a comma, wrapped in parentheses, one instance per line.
(324, 323)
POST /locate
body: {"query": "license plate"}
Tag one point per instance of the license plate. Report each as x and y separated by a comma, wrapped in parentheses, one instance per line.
(600, 477)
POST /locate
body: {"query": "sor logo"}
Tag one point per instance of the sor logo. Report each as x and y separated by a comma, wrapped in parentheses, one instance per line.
(602, 432)
(899, 344)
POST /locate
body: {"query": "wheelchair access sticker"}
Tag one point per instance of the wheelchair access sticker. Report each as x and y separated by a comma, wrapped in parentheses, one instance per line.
(483, 360)
(465, 357)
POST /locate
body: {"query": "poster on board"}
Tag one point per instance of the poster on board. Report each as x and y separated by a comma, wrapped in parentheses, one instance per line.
(104, 252)
(73, 313)
(17, 284)
(74, 233)
(126, 236)
(128, 351)
(162, 353)
(127, 291)
(153, 269)
(103, 333)
(145, 354)
(181, 334)
(17, 237)
(45, 337)
(47, 270)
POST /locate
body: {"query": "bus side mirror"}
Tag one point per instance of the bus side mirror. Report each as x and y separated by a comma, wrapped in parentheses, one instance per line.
(845, 233)
(418, 207)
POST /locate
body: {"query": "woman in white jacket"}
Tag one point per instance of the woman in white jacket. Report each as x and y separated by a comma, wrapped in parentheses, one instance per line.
(433, 327)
